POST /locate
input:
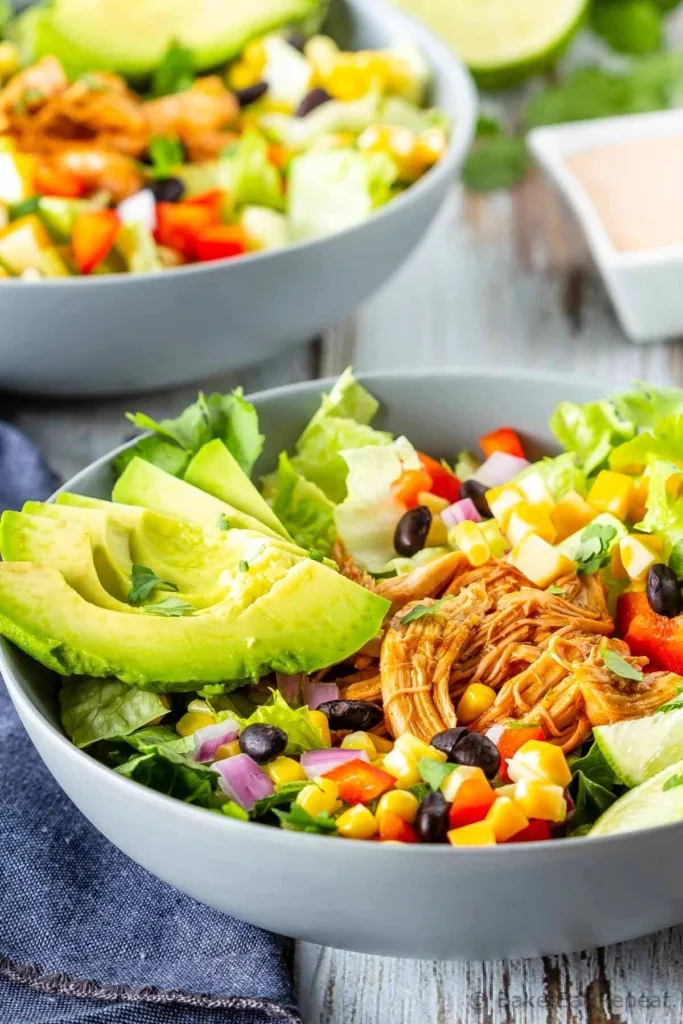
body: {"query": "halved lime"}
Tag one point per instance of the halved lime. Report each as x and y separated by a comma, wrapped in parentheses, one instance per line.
(502, 41)
(636, 750)
(659, 801)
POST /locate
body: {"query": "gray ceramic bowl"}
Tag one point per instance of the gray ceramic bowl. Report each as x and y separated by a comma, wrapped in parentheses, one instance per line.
(136, 332)
(427, 902)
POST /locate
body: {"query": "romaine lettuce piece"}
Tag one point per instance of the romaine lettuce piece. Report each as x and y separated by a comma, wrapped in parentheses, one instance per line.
(247, 174)
(367, 519)
(664, 515)
(303, 509)
(100, 709)
(332, 190)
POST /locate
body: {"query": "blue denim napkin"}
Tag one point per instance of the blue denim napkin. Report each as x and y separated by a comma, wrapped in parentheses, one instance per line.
(87, 936)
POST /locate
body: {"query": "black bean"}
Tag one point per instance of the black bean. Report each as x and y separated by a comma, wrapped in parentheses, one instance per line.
(297, 40)
(252, 93)
(431, 823)
(167, 190)
(446, 741)
(477, 751)
(476, 492)
(263, 742)
(663, 591)
(411, 531)
(314, 98)
(351, 714)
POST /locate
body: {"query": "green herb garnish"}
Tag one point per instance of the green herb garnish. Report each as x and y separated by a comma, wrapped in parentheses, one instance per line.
(244, 565)
(594, 548)
(170, 606)
(675, 704)
(434, 772)
(167, 153)
(175, 72)
(496, 162)
(673, 782)
(316, 555)
(298, 820)
(522, 725)
(424, 609)
(284, 794)
(223, 522)
(143, 582)
(557, 591)
(619, 666)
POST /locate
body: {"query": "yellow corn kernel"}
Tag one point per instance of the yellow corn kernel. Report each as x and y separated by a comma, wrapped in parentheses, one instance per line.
(379, 760)
(570, 514)
(430, 146)
(476, 699)
(357, 823)
(638, 553)
(526, 518)
(192, 722)
(472, 542)
(502, 500)
(539, 561)
(284, 769)
(254, 55)
(321, 797)
(433, 502)
(320, 721)
(402, 767)
(360, 741)
(416, 748)
(10, 60)
(539, 799)
(382, 744)
(479, 834)
(537, 759)
(231, 749)
(612, 492)
(505, 818)
(242, 75)
(401, 802)
(438, 532)
(534, 490)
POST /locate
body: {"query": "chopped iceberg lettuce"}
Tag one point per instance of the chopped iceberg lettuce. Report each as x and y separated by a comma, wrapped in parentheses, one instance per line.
(136, 246)
(560, 474)
(367, 519)
(247, 174)
(303, 509)
(264, 228)
(664, 442)
(288, 74)
(664, 508)
(333, 190)
(327, 119)
(302, 732)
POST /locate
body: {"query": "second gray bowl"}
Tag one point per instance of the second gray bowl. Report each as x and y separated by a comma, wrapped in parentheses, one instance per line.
(128, 333)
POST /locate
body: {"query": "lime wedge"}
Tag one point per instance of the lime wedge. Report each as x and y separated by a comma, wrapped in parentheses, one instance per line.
(502, 41)
(638, 749)
(659, 801)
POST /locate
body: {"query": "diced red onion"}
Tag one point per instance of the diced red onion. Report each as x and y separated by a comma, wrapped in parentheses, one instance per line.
(318, 693)
(290, 686)
(499, 468)
(459, 512)
(139, 208)
(319, 762)
(243, 780)
(211, 737)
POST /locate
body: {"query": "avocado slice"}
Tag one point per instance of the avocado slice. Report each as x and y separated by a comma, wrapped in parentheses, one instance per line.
(142, 483)
(25, 244)
(214, 469)
(133, 38)
(309, 618)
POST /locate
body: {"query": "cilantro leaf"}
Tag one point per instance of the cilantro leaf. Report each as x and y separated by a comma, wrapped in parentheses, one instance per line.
(244, 565)
(594, 548)
(175, 72)
(421, 610)
(629, 26)
(434, 772)
(496, 161)
(170, 606)
(143, 582)
(299, 820)
(672, 782)
(619, 666)
(557, 591)
(166, 154)
(223, 522)
(675, 704)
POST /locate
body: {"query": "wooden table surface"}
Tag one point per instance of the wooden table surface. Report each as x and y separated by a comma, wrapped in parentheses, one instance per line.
(501, 281)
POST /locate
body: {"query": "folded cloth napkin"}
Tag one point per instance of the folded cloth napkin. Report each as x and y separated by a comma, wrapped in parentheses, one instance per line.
(87, 936)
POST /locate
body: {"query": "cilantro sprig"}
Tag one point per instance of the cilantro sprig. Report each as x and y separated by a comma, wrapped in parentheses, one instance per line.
(143, 582)
(619, 666)
(420, 610)
(594, 548)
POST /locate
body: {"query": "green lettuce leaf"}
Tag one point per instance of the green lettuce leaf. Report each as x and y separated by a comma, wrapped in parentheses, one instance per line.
(247, 174)
(99, 709)
(594, 787)
(302, 733)
(367, 519)
(170, 773)
(303, 509)
(664, 442)
(591, 431)
(664, 511)
(341, 422)
(229, 417)
(560, 475)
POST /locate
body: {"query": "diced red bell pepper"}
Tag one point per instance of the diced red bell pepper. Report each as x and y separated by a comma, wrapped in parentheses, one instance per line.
(444, 483)
(646, 633)
(392, 827)
(505, 439)
(471, 802)
(219, 242)
(210, 200)
(93, 234)
(536, 831)
(178, 224)
(411, 483)
(359, 782)
(509, 739)
(50, 182)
